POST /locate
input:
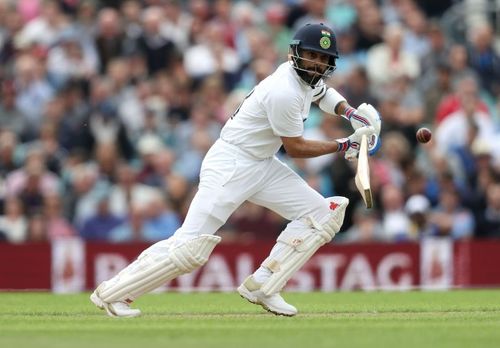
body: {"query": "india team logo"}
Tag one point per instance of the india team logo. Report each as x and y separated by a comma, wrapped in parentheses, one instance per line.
(325, 42)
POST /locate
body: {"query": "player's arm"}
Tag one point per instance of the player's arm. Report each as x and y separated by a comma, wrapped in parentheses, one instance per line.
(332, 102)
(298, 147)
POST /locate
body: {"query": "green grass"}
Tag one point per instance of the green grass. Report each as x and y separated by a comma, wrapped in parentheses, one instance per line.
(377, 319)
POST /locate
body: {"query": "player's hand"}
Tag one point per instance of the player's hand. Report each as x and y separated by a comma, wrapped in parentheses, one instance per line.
(367, 115)
(352, 143)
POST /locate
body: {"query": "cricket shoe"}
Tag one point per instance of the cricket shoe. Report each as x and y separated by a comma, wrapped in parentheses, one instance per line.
(114, 309)
(250, 290)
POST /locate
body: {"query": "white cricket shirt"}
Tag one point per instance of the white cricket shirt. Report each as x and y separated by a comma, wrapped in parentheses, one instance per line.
(276, 107)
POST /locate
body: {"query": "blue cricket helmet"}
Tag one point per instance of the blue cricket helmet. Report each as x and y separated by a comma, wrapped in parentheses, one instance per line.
(317, 38)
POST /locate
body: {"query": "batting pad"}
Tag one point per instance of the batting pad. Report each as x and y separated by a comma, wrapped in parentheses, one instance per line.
(300, 243)
(153, 268)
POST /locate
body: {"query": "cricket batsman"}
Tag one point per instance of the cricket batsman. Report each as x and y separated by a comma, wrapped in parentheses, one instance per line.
(242, 166)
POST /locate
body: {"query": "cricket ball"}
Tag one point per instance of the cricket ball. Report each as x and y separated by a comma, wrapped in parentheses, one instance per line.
(424, 135)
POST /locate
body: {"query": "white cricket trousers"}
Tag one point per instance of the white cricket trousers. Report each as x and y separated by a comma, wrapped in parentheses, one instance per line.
(229, 176)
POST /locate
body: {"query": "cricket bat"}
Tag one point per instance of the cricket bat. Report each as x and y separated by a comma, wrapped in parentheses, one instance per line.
(362, 178)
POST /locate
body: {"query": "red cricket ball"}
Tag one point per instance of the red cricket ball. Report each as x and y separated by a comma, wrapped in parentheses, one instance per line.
(424, 135)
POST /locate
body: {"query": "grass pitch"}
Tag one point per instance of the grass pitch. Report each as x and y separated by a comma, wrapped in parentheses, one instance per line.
(376, 319)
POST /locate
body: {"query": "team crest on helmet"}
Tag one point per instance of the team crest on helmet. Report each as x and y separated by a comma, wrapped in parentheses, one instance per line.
(325, 42)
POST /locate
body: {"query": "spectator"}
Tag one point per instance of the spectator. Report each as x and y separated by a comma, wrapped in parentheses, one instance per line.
(178, 192)
(33, 89)
(395, 222)
(85, 190)
(453, 131)
(280, 34)
(436, 57)
(465, 88)
(315, 12)
(366, 228)
(357, 87)
(161, 222)
(222, 14)
(351, 58)
(483, 57)
(158, 49)
(98, 227)
(409, 107)
(200, 121)
(37, 229)
(126, 192)
(489, 219)
(56, 224)
(73, 132)
(70, 59)
(211, 55)
(12, 24)
(46, 28)
(131, 11)
(124, 96)
(11, 117)
(450, 218)
(32, 181)
(458, 59)
(388, 60)
(107, 159)
(133, 229)
(85, 19)
(49, 144)
(436, 92)
(369, 25)
(396, 157)
(110, 39)
(13, 223)
(177, 24)
(106, 128)
(418, 208)
(150, 147)
(416, 40)
(8, 146)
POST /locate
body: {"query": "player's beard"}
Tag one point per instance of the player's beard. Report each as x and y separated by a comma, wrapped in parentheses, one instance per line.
(309, 77)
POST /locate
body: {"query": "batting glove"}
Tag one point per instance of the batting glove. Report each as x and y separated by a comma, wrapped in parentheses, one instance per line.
(366, 115)
(351, 144)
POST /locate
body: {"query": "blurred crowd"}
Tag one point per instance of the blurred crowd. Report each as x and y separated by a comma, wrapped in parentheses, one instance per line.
(107, 109)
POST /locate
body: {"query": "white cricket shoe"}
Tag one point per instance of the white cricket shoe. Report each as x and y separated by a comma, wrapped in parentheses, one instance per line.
(250, 290)
(114, 309)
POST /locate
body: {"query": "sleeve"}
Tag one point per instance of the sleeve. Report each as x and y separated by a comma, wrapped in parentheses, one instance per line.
(319, 93)
(330, 100)
(284, 113)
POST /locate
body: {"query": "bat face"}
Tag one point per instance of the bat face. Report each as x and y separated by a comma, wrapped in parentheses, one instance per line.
(362, 178)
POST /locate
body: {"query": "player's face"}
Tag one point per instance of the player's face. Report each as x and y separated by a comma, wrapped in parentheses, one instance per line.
(316, 63)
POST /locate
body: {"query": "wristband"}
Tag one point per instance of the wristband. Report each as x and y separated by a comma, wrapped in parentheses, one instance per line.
(343, 144)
